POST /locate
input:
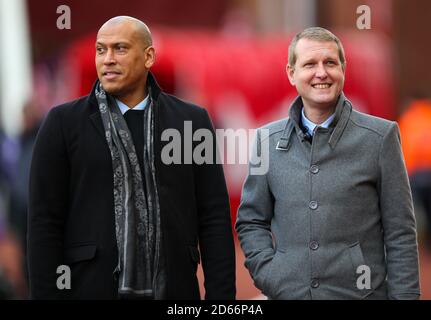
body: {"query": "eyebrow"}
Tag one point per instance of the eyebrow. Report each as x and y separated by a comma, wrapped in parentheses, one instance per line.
(308, 60)
(99, 43)
(313, 60)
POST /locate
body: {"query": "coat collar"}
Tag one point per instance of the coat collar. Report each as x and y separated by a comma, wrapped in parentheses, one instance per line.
(342, 115)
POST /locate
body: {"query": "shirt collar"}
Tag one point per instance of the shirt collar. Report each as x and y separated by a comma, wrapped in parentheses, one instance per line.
(310, 126)
(140, 106)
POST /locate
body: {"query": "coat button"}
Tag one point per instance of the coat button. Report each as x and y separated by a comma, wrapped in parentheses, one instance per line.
(314, 169)
(315, 283)
(313, 205)
(314, 245)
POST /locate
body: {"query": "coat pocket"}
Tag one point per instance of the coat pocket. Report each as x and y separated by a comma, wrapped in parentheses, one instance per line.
(270, 282)
(79, 253)
(362, 276)
(356, 255)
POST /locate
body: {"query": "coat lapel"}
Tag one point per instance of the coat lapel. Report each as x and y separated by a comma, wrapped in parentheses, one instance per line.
(96, 119)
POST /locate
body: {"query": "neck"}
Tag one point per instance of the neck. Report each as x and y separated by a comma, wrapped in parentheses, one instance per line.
(132, 99)
(318, 115)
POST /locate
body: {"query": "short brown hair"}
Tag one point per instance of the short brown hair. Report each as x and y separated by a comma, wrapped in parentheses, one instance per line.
(317, 34)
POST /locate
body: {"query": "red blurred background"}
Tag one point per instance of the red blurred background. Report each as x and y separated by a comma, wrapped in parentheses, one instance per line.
(230, 57)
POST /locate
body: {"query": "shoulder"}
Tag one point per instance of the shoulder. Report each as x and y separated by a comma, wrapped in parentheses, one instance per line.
(275, 126)
(373, 125)
(173, 102)
(68, 116)
(72, 107)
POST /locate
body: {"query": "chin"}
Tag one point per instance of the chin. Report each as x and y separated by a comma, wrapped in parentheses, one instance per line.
(328, 98)
(110, 88)
(324, 103)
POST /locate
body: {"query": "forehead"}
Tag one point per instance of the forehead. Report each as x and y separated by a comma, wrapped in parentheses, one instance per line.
(121, 32)
(309, 49)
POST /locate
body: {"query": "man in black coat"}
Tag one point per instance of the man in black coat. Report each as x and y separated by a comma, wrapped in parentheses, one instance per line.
(108, 204)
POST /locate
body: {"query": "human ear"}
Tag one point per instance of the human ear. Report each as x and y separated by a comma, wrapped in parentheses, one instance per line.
(290, 74)
(150, 57)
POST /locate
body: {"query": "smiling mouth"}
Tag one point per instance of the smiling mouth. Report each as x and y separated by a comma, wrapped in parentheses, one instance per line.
(111, 73)
(321, 85)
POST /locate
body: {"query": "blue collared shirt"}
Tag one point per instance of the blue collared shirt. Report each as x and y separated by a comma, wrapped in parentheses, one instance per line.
(310, 126)
(140, 106)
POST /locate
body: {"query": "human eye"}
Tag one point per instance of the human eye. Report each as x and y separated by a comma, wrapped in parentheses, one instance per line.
(121, 48)
(100, 50)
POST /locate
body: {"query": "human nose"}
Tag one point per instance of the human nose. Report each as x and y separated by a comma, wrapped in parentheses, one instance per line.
(321, 71)
(109, 57)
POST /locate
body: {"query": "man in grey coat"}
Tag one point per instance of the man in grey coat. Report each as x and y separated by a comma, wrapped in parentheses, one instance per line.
(332, 216)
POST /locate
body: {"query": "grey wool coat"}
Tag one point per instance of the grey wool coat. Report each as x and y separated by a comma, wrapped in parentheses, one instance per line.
(325, 208)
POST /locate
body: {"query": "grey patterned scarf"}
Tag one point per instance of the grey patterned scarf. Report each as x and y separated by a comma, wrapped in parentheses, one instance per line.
(137, 212)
